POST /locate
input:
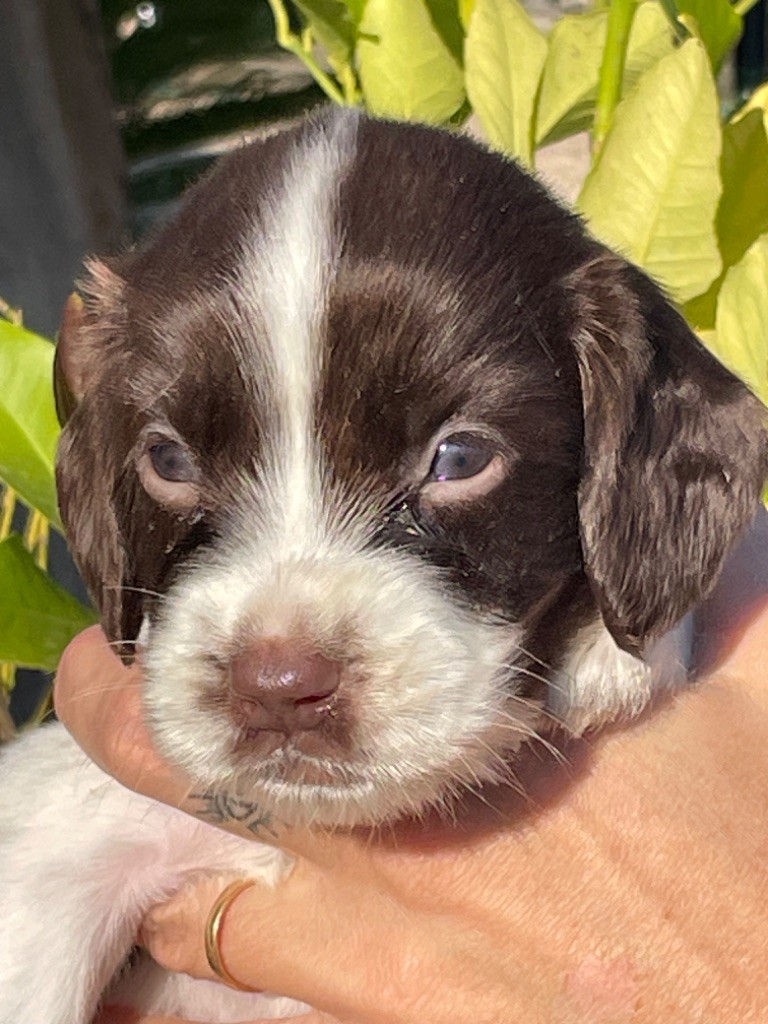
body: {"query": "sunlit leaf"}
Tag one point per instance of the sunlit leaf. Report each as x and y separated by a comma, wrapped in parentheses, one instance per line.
(743, 211)
(715, 22)
(650, 40)
(355, 8)
(29, 429)
(741, 332)
(406, 70)
(504, 57)
(446, 19)
(466, 7)
(757, 101)
(38, 618)
(654, 191)
(570, 80)
(333, 26)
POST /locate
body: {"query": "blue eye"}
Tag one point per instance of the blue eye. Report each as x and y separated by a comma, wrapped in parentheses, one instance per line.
(458, 458)
(171, 461)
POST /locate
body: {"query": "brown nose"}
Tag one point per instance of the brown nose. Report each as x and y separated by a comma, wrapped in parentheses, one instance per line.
(284, 687)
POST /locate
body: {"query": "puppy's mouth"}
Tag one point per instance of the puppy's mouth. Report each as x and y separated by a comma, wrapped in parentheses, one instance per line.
(302, 789)
(301, 760)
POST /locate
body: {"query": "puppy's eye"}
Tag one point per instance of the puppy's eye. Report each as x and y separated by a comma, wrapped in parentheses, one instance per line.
(458, 458)
(172, 462)
(465, 467)
(168, 474)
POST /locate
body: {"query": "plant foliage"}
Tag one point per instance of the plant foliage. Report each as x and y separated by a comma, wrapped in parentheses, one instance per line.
(38, 617)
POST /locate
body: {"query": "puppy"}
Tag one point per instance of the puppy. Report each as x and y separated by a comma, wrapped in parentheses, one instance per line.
(385, 462)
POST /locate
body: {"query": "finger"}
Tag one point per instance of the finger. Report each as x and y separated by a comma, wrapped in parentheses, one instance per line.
(173, 932)
(99, 701)
(307, 940)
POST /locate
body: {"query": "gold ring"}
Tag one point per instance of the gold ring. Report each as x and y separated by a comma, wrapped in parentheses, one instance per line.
(213, 933)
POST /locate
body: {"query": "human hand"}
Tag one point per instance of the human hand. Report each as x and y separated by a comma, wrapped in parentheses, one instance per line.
(631, 886)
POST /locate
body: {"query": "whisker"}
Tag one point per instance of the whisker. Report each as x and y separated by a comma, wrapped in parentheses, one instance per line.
(549, 682)
(135, 590)
(545, 665)
(540, 709)
(533, 736)
(115, 688)
(512, 667)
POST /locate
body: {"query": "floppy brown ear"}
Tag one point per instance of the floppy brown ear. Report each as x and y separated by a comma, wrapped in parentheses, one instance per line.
(89, 317)
(90, 321)
(675, 454)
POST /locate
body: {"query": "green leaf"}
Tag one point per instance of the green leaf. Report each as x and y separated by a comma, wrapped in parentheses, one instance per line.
(651, 39)
(571, 73)
(504, 57)
(332, 25)
(741, 330)
(757, 101)
(29, 429)
(355, 8)
(715, 22)
(446, 19)
(38, 618)
(406, 70)
(466, 7)
(743, 211)
(569, 80)
(654, 191)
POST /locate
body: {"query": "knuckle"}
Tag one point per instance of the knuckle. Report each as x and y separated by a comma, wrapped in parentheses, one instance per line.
(170, 953)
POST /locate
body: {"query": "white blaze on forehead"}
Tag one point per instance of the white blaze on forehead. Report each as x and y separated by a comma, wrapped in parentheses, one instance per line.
(285, 277)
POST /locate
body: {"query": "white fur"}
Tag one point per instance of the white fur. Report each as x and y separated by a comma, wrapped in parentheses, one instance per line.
(78, 870)
(283, 280)
(599, 682)
(430, 689)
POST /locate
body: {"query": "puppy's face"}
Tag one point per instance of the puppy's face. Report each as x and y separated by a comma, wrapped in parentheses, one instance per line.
(368, 440)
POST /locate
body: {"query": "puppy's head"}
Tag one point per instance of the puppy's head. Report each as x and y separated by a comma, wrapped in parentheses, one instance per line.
(383, 452)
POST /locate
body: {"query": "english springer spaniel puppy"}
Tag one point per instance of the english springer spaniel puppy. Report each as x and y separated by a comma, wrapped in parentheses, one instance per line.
(386, 464)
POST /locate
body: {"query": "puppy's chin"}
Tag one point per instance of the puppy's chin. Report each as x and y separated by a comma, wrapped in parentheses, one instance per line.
(300, 791)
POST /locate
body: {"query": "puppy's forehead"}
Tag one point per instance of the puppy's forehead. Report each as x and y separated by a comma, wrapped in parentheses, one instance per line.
(356, 277)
